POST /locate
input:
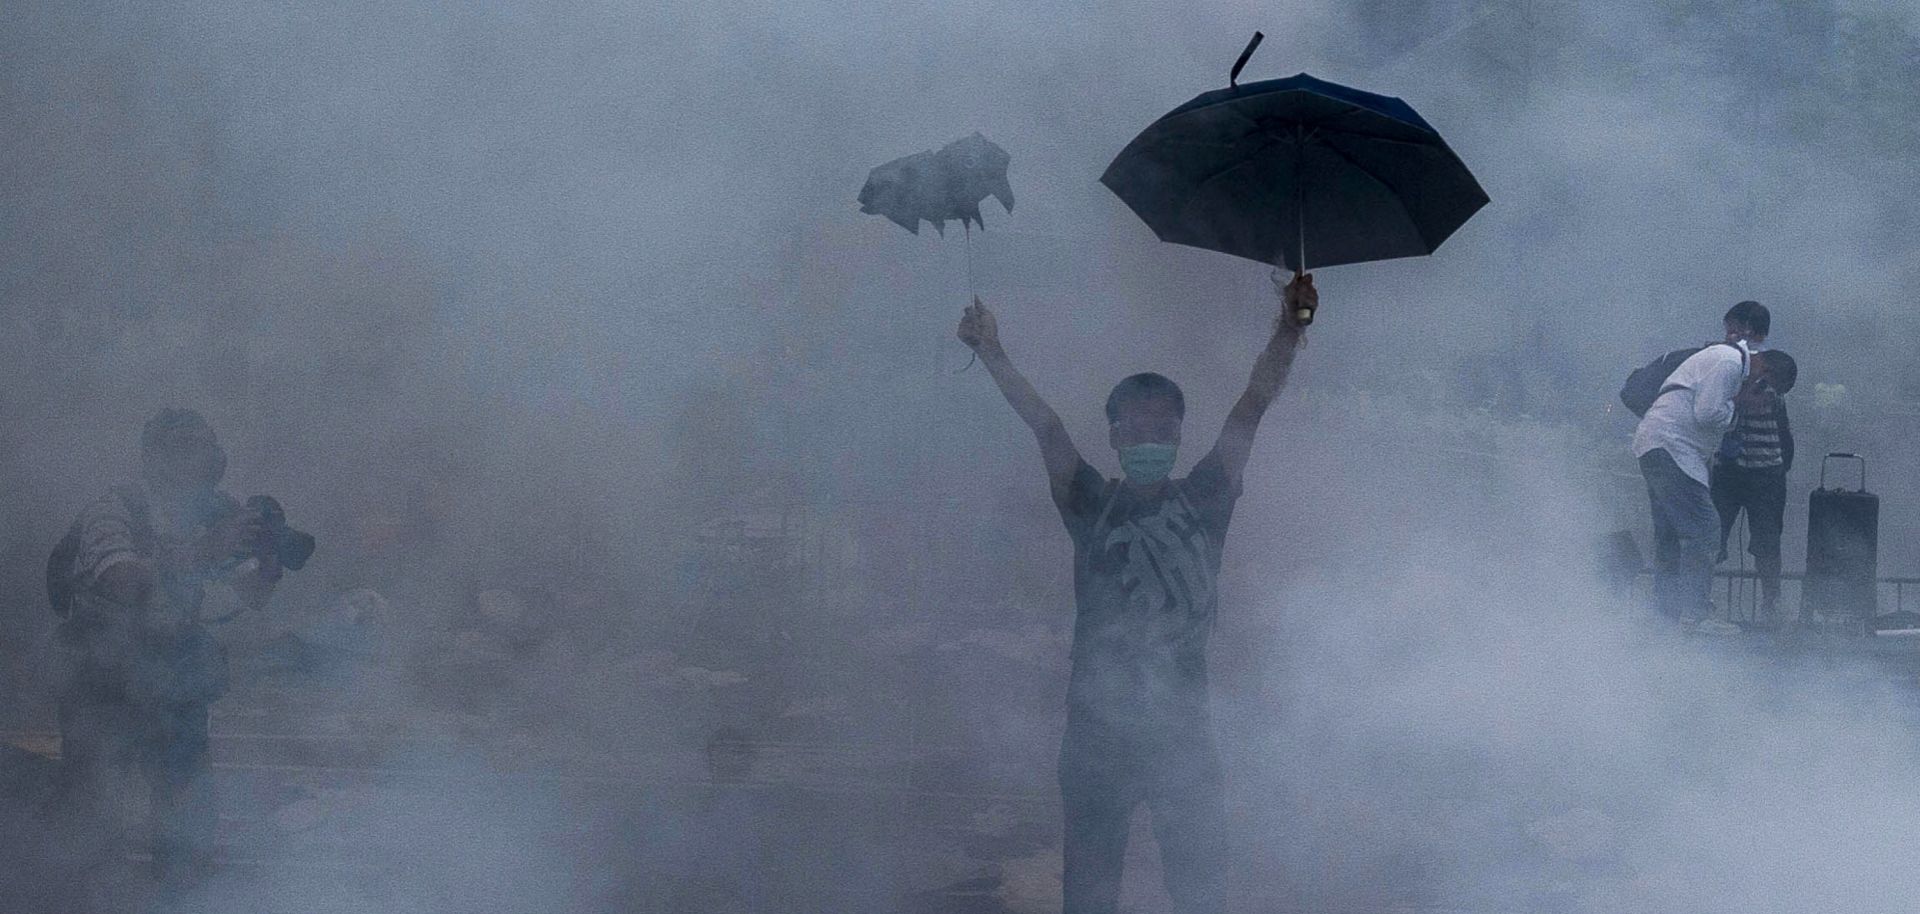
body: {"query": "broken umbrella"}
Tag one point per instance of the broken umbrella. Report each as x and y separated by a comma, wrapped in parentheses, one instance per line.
(939, 186)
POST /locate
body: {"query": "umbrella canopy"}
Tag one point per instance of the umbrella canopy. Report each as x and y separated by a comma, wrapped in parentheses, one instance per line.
(938, 185)
(1297, 172)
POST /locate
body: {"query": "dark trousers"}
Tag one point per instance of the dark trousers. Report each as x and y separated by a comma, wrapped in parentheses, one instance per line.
(1684, 524)
(1762, 493)
(103, 735)
(1103, 776)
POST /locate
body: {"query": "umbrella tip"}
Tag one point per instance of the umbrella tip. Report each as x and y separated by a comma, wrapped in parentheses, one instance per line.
(1233, 77)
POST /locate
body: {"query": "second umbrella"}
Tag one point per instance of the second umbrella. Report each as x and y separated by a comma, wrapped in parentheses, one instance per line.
(1297, 172)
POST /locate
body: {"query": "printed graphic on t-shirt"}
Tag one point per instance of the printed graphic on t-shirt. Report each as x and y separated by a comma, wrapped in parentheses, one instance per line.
(1144, 581)
(1160, 560)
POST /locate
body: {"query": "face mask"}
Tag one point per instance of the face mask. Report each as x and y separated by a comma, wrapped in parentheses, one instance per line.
(1147, 463)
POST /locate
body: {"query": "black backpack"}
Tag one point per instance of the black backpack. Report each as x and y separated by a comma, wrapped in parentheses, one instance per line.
(1648, 382)
(60, 582)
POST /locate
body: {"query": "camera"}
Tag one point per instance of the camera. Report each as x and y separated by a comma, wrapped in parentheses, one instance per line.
(290, 545)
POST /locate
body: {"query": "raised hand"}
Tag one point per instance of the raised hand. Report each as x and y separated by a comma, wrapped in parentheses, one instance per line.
(1299, 300)
(978, 329)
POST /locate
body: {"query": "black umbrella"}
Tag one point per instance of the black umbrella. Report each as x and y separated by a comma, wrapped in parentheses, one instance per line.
(1296, 172)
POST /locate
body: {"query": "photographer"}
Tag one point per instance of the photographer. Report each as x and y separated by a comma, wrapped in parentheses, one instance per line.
(139, 669)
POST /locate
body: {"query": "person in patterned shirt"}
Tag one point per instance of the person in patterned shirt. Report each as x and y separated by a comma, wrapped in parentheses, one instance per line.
(138, 669)
(1750, 473)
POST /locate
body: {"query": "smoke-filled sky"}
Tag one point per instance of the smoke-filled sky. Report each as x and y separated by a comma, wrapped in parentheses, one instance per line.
(523, 297)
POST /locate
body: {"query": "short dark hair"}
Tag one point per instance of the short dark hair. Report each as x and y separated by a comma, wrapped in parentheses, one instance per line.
(1751, 313)
(1782, 370)
(1141, 387)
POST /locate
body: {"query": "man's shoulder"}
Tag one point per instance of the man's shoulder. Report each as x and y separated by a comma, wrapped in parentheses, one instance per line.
(1080, 491)
(1715, 354)
(1712, 359)
(1086, 476)
(1208, 467)
(1210, 476)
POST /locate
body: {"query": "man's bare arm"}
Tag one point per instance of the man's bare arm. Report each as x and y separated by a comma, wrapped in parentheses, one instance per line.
(1270, 372)
(981, 332)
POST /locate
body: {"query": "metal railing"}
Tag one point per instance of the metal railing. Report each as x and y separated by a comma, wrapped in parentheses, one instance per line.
(1741, 593)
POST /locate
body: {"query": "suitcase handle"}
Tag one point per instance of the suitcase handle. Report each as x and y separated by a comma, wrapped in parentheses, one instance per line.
(1843, 455)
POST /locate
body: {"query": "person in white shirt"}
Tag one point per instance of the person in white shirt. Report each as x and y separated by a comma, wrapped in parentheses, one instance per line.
(1674, 442)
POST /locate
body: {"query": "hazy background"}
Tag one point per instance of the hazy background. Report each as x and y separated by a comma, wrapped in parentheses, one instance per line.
(558, 300)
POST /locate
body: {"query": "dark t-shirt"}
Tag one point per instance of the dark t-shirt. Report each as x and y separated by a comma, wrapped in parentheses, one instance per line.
(1145, 566)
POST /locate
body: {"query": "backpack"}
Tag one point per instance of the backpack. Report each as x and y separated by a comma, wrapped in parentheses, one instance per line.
(1649, 382)
(60, 583)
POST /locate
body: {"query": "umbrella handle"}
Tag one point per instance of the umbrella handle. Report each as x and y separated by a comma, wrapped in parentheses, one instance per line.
(1302, 315)
(1233, 78)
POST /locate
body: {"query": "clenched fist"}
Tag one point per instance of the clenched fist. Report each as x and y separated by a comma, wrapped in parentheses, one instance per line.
(1299, 300)
(978, 329)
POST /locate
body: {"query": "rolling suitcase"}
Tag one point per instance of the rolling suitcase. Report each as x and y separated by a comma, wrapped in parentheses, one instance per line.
(1843, 548)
